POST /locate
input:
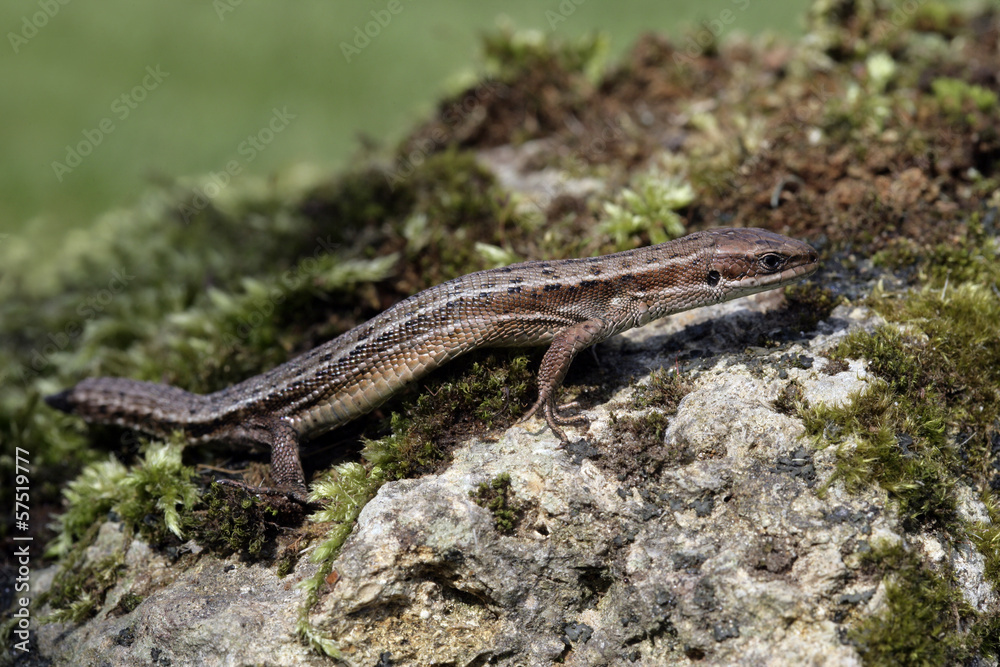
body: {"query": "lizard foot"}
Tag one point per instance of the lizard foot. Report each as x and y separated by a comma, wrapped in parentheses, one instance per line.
(298, 496)
(553, 419)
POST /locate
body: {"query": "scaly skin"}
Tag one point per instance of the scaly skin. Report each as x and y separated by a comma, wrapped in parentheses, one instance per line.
(567, 304)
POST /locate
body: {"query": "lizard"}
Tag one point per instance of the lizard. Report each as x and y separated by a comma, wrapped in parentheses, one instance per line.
(567, 304)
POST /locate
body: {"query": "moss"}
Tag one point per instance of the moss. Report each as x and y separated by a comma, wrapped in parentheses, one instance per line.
(287, 561)
(986, 536)
(647, 212)
(646, 428)
(879, 440)
(636, 449)
(498, 498)
(461, 205)
(790, 400)
(127, 604)
(510, 54)
(79, 587)
(485, 389)
(922, 610)
(149, 498)
(343, 491)
(809, 304)
(234, 521)
(933, 417)
(664, 390)
(957, 97)
(972, 257)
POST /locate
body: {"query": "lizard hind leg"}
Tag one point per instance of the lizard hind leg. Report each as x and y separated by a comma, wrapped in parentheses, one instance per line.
(286, 463)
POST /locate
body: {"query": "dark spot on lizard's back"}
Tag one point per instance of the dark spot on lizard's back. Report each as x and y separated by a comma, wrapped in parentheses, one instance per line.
(626, 278)
(586, 284)
(517, 281)
(552, 287)
(483, 295)
(329, 355)
(652, 260)
(514, 290)
(546, 271)
(505, 269)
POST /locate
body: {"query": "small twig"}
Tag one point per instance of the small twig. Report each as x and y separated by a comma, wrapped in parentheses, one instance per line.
(776, 193)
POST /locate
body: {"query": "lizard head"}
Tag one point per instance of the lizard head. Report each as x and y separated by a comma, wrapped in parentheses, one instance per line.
(745, 261)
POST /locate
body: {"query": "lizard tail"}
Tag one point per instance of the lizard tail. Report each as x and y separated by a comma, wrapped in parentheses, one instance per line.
(153, 408)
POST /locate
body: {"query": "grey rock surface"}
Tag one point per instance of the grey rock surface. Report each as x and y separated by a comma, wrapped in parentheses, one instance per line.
(202, 611)
(715, 545)
(731, 557)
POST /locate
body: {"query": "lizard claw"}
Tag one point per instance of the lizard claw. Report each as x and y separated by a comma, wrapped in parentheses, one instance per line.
(298, 496)
(553, 419)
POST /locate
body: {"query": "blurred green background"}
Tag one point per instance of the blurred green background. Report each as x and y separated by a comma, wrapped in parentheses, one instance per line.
(199, 77)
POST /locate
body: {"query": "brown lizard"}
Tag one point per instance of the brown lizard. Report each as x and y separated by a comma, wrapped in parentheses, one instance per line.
(567, 304)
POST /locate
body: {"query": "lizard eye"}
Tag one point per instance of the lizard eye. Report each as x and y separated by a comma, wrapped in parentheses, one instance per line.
(771, 262)
(713, 278)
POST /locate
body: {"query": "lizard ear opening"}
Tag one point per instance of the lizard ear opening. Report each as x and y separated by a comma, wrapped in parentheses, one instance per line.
(713, 278)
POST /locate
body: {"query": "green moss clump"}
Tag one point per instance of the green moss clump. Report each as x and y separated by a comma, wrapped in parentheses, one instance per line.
(974, 257)
(664, 390)
(481, 390)
(498, 498)
(343, 491)
(79, 588)
(658, 399)
(127, 604)
(512, 55)
(922, 611)
(986, 536)
(810, 304)
(234, 521)
(149, 498)
(880, 441)
(956, 97)
(646, 428)
(932, 418)
(790, 400)
(647, 211)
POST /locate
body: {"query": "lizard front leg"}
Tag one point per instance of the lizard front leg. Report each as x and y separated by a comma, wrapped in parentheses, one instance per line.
(555, 364)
